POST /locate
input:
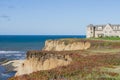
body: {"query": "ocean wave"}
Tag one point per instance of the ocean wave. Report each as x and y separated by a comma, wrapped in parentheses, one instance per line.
(6, 52)
(5, 75)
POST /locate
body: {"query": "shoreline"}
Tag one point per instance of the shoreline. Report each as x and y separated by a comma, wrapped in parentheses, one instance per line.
(8, 69)
(12, 65)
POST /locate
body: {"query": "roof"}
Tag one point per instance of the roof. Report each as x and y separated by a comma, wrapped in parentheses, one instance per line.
(103, 26)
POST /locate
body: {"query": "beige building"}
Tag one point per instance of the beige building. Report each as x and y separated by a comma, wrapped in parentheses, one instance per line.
(103, 30)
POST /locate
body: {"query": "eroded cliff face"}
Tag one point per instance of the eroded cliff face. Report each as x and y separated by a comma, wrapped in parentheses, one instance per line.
(42, 60)
(50, 57)
(66, 45)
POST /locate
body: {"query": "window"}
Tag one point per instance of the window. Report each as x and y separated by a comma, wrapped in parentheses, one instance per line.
(99, 28)
(115, 27)
(90, 28)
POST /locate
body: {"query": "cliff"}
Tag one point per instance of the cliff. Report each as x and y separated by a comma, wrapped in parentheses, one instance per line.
(59, 61)
(51, 56)
(42, 60)
(66, 45)
(88, 67)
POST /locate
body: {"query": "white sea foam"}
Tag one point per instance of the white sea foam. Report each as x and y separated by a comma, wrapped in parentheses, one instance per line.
(6, 52)
(5, 75)
(18, 55)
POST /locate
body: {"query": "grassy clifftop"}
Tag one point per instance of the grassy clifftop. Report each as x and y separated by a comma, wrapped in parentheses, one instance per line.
(90, 67)
(100, 62)
(95, 43)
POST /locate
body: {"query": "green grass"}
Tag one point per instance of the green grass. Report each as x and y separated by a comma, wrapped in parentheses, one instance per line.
(86, 64)
(106, 38)
(102, 51)
(82, 67)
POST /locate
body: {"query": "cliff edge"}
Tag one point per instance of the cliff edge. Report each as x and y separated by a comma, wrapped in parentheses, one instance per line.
(59, 61)
(42, 60)
(66, 45)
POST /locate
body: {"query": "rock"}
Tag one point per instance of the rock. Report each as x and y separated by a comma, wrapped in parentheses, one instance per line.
(49, 58)
(87, 45)
(3, 60)
(66, 45)
(42, 60)
(12, 65)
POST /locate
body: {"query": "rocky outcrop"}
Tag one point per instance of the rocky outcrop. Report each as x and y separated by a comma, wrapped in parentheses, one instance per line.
(12, 65)
(51, 56)
(42, 60)
(66, 45)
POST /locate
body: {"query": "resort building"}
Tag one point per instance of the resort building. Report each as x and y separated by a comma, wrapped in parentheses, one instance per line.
(109, 30)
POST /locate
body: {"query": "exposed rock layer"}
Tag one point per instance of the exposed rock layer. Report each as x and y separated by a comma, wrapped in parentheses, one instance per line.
(50, 57)
(42, 60)
(66, 45)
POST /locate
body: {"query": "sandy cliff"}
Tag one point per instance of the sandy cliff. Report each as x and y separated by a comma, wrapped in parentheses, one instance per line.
(61, 53)
(42, 60)
(49, 58)
(66, 45)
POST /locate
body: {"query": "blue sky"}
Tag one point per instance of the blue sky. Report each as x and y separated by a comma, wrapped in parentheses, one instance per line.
(55, 17)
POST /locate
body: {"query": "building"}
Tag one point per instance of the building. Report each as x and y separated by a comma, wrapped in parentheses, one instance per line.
(96, 31)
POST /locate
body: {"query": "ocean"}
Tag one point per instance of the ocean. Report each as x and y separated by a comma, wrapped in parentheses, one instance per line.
(14, 47)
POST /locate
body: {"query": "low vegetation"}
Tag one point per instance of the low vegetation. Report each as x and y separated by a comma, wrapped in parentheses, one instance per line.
(100, 62)
(82, 68)
(108, 38)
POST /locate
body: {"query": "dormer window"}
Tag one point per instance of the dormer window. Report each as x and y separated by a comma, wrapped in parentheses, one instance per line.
(99, 28)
